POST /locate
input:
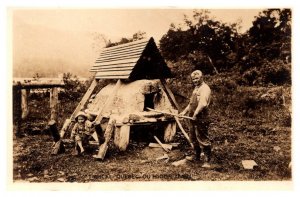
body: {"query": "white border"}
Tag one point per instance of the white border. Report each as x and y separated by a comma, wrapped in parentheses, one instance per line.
(5, 58)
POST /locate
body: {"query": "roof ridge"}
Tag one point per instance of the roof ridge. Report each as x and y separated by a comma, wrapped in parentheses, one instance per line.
(128, 44)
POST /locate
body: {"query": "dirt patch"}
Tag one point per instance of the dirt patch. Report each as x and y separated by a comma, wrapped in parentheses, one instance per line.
(263, 137)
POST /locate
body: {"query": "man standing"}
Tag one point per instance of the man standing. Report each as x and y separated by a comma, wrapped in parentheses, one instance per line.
(198, 109)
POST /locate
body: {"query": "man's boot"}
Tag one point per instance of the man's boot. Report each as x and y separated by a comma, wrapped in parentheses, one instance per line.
(207, 153)
(196, 154)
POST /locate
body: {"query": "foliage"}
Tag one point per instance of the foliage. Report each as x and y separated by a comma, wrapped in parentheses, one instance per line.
(272, 25)
(37, 76)
(74, 89)
(268, 39)
(276, 72)
(251, 76)
(222, 83)
(262, 55)
(201, 40)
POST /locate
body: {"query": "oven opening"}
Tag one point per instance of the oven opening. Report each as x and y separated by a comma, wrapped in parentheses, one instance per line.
(149, 101)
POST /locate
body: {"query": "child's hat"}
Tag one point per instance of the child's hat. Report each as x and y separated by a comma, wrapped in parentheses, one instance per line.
(81, 113)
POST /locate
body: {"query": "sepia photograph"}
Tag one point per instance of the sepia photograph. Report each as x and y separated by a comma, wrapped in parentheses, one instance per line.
(151, 95)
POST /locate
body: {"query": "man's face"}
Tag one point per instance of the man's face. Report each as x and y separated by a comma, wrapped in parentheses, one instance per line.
(197, 80)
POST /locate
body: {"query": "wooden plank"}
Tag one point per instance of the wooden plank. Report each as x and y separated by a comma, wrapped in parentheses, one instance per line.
(108, 134)
(119, 56)
(24, 103)
(172, 114)
(113, 77)
(53, 130)
(41, 82)
(29, 86)
(121, 49)
(58, 147)
(107, 102)
(121, 138)
(117, 59)
(103, 147)
(17, 110)
(114, 73)
(125, 66)
(53, 103)
(170, 94)
(115, 69)
(212, 64)
(65, 127)
(127, 45)
(156, 145)
(68, 121)
(125, 51)
(170, 132)
(122, 65)
(183, 131)
(119, 62)
(161, 144)
(84, 99)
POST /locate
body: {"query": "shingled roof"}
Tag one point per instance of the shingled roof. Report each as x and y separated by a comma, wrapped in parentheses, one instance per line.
(135, 60)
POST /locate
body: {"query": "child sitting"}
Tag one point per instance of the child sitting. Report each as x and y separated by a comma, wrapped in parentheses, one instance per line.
(81, 131)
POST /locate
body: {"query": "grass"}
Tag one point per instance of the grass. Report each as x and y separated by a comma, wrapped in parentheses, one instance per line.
(241, 130)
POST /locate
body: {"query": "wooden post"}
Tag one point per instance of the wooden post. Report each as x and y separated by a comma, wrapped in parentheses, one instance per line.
(65, 128)
(58, 146)
(84, 99)
(103, 147)
(121, 138)
(161, 144)
(53, 103)
(53, 130)
(100, 134)
(24, 103)
(107, 102)
(172, 98)
(212, 64)
(183, 131)
(107, 135)
(170, 132)
(170, 94)
(17, 110)
(68, 121)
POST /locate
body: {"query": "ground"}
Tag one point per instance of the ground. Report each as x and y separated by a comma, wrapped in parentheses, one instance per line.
(261, 133)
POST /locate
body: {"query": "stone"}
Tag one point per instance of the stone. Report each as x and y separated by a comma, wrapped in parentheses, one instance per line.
(180, 162)
(249, 164)
(165, 156)
(276, 148)
(33, 179)
(61, 179)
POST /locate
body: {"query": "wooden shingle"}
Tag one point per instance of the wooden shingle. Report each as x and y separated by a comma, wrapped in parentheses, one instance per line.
(135, 60)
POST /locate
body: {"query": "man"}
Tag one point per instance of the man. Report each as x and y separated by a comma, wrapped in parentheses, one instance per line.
(198, 110)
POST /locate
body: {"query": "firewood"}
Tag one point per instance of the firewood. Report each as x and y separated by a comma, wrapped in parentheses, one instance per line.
(159, 142)
(156, 145)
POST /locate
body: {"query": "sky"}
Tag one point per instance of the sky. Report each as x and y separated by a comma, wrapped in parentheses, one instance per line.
(42, 37)
(116, 23)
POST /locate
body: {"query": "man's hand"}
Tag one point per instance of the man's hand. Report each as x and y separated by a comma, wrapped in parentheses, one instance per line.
(182, 113)
(72, 138)
(194, 117)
